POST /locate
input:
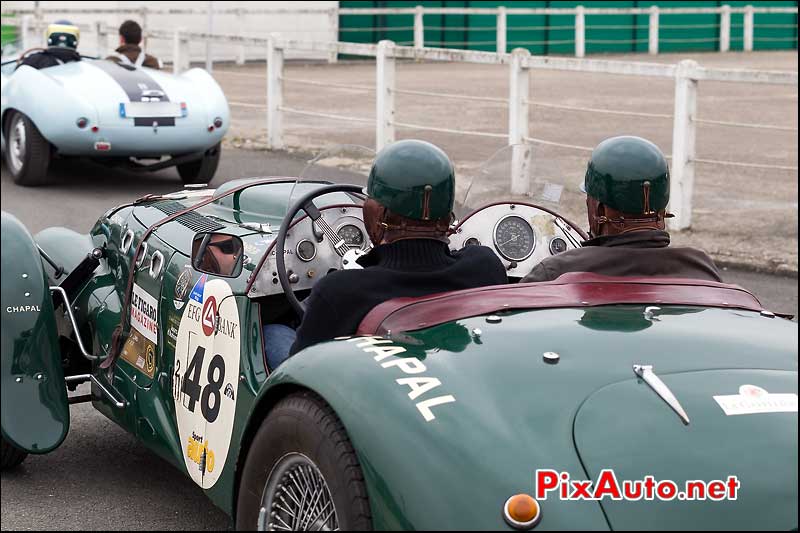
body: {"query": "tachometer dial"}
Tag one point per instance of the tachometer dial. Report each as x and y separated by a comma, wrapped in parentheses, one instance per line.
(514, 238)
(306, 250)
(352, 235)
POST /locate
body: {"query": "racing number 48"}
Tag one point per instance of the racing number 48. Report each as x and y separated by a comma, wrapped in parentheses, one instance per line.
(191, 384)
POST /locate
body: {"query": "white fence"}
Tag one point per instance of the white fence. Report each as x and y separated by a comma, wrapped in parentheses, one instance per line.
(501, 14)
(687, 74)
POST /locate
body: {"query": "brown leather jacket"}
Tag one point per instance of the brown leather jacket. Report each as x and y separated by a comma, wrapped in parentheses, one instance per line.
(131, 51)
(639, 253)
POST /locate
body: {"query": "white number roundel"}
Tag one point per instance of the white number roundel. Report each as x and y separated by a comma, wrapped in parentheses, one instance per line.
(206, 377)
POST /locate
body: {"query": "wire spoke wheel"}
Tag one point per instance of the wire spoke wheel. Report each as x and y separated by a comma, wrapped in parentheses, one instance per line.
(296, 497)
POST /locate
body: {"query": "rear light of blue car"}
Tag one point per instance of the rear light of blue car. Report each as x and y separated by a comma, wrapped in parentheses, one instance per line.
(82, 122)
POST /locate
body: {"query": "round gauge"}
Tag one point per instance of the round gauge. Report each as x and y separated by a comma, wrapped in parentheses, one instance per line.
(352, 235)
(306, 250)
(558, 245)
(514, 238)
(472, 241)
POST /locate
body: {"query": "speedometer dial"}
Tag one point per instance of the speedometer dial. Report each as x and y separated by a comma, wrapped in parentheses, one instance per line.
(514, 238)
(352, 235)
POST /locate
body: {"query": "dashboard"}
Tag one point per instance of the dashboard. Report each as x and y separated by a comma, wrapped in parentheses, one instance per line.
(521, 235)
(309, 254)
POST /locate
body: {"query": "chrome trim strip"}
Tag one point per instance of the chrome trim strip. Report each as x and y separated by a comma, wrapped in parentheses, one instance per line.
(143, 254)
(127, 240)
(645, 372)
(156, 259)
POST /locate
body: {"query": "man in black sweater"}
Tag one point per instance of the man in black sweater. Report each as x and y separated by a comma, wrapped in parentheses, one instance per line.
(627, 191)
(62, 43)
(411, 191)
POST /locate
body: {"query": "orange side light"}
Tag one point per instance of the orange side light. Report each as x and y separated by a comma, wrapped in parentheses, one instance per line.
(521, 511)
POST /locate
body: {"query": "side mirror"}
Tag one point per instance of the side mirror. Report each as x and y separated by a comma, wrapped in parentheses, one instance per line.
(218, 254)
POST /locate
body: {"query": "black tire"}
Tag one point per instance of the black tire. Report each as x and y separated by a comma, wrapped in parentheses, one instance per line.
(27, 161)
(10, 456)
(303, 425)
(202, 170)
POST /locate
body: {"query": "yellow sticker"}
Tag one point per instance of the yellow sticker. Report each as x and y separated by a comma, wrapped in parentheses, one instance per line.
(140, 352)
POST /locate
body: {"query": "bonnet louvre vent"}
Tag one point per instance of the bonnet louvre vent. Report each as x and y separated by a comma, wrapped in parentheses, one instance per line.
(191, 220)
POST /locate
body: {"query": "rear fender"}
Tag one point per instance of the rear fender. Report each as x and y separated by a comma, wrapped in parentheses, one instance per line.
(44, 100)
(35, 409)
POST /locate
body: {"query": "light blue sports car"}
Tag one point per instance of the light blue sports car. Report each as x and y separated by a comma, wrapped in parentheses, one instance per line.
(112, 113)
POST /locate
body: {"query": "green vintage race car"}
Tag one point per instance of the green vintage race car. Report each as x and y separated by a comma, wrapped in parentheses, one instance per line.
(440, 410)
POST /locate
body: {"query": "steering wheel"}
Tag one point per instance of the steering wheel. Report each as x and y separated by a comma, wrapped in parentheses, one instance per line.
(306, 204)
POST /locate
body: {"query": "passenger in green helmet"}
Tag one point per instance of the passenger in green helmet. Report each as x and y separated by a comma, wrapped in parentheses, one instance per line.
(407, 215)
(627, 192)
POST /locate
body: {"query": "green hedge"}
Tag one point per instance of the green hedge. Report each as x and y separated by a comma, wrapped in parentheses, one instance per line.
(554, 34)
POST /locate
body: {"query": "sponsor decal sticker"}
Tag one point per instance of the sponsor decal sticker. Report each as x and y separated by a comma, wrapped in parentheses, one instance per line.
(197, 290)
(182, 288)
(755, 400)
(144, 313)
(140, 353)
(206, 377)
(173, 323)
(209, 316)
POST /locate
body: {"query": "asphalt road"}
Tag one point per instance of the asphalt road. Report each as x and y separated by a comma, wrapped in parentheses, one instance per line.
(101, 478)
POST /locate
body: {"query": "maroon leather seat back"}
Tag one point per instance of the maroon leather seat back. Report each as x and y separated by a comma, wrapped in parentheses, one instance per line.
(575, 289)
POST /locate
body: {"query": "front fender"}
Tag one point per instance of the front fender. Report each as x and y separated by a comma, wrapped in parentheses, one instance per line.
(441, 451)
(35, 411)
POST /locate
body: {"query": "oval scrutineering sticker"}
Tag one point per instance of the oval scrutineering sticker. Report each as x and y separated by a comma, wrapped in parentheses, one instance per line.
(206, 370)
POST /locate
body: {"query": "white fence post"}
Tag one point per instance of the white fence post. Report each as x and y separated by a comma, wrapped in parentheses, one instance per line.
(419, 28)
(210, 30)
(177, 51)
(501, 30)
(240, 18)
(145, 25)
(748, 28)
(518, 119)
(652, 35)
(683, 146)
(25, 33)
(725, 28)
(274, 95)
(580, 32)
(384, 94)
(333, 16)
(101, 32)
(38, 23)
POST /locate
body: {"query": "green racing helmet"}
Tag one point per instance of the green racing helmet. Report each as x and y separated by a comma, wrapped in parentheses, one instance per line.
(629, 174)
(414, 179)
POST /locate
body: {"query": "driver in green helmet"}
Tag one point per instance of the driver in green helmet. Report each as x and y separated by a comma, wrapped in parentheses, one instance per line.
(407, 215)
(627, 191)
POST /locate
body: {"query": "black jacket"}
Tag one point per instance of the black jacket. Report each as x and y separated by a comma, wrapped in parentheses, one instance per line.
(639, 253)
(50, 57)
(413, 267)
